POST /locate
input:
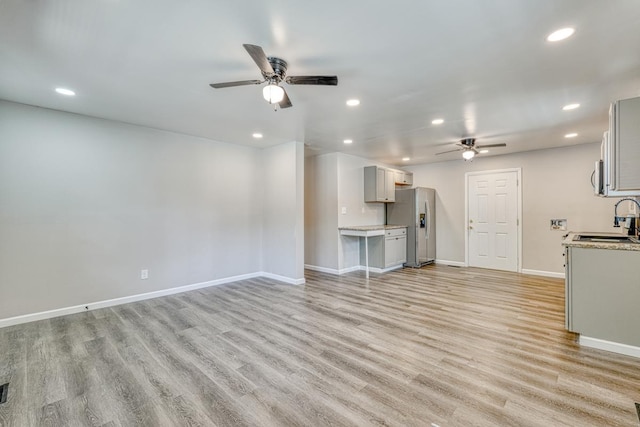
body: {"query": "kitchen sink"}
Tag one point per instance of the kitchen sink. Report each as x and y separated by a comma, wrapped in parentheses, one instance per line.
(606, 239)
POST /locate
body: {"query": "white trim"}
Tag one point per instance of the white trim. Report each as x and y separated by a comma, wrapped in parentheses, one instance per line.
(351, 269)
(518, 172)
(32, 317)
(382, 270)
(321, 269)
(284, 279)
(451, 263)
(614, 347)
(543, 273)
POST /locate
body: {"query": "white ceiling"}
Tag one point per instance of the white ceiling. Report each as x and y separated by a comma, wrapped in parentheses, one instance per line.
(483, 66)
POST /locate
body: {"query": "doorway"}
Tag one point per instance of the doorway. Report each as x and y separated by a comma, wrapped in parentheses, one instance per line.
(493, 237)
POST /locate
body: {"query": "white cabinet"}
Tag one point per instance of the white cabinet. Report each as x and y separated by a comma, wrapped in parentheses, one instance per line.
(379, 184)
(404, 178)
(602, 294)
(621, 150)
(395, 247)
(385, 251)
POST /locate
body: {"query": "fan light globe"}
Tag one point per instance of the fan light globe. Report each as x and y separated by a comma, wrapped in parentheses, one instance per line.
(468, 154)
(273, 94)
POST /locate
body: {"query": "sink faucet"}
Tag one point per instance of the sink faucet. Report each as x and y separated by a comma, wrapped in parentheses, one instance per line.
(616, 218)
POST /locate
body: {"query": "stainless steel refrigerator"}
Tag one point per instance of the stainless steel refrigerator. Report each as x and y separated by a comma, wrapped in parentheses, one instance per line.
(416, 208)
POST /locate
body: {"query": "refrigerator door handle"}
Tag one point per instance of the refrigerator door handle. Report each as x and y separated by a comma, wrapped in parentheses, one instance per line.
(427, 217)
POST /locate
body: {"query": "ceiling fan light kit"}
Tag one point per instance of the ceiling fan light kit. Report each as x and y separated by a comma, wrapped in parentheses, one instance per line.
(273, 93)
(274, 71)
(468, 154)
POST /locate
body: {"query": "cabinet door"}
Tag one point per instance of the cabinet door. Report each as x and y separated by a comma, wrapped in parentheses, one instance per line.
(390, 186)
(381, 185)
(390, 251)
(402, 250)
(403, 178)
(395, 251)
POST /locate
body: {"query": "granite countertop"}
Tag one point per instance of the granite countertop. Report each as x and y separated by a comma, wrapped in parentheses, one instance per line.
(569, 241)
(371, 227)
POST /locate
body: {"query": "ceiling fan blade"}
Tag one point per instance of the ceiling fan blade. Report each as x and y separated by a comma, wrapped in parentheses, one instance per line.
(312, 80)
(286, 102)
(445, 152)
(491, 145)
(259, 58)
(232, 84)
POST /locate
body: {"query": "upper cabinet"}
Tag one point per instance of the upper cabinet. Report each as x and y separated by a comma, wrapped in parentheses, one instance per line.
(379, 184)
(404, 178)
(621, 150)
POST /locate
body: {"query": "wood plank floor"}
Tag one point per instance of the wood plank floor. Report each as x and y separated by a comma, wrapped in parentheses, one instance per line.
(437, 346)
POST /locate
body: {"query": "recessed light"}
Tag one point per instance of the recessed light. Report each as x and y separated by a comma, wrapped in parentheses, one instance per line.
(560, 34)
(257, 135)
(348, 141)
(437, 121)
(483, 151)
(570, 107)
(571, 135)
(353, 102)
(406, 159)
(63, 91)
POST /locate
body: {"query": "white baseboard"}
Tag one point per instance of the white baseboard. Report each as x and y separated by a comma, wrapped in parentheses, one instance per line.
(451, 263)
(10, 321)
(614, 347)
(284, 279)
(381, 270)
(351, 269)
(543, 273)
(321, 269)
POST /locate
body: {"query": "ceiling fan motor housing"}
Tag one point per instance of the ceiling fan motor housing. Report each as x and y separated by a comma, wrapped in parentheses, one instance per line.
(468, 142)
(279, 69)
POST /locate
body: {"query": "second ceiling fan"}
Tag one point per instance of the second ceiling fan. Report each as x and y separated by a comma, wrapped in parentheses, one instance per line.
(470, 149)
(274, 72)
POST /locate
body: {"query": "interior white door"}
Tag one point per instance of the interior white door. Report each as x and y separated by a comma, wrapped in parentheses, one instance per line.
(493, 220)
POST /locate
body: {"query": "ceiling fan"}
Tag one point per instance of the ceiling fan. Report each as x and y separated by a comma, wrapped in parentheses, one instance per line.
(470, 149)
(274, 71)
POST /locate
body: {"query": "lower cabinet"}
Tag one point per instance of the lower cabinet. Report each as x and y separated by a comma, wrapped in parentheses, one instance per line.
(395, 247)
(602, 294)
(386, 251)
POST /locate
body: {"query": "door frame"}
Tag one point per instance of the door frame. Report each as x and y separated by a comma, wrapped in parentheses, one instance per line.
(518, 216)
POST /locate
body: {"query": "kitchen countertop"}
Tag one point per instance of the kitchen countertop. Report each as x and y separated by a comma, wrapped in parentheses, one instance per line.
(568, 241)
(371, 227)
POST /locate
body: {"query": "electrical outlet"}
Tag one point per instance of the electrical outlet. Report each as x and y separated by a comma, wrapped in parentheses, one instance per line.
(344, 210)
(558, 224)
(363, 210)
(144, 274)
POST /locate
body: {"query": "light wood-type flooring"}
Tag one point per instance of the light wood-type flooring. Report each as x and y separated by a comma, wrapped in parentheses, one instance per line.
(437, 346)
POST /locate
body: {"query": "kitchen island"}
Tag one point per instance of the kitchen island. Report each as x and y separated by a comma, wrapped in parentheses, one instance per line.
(394, 250)
(602, 290)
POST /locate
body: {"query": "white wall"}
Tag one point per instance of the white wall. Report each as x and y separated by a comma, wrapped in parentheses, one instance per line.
(332, 182)
(321, 205)
(282, 190)
(556, 184)
(86, 203)
(351, 196)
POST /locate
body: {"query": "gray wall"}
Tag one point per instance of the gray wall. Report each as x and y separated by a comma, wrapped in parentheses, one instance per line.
(555, 184)
(332, 182)
(283, 210)
(85, 204)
